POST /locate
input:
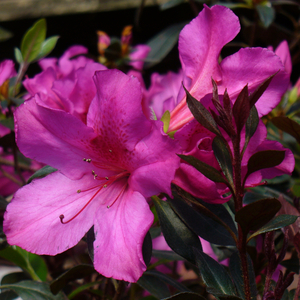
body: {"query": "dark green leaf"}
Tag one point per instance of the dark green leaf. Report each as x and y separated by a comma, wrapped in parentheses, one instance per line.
(84, 287)
(237, 275)
(277, 223)
(223, 157)
(162, 44)
(207, 170)
(42, 173)
(202, 225)
(164, 254)
(147, 249)
(154, 286)
(287, 125)
(264, 159)
(29, 290)
(178, 236)
(213, 274)
(241, 109)
(33, 264)
(32, 41)
(77, 272)
(266, 14)
(3, 203)
(8, 295)
(155, 232)
(14, 277)
(18, 55)
(234, 5)
(255, 215)
(185, 296)
(168, 280)
(201, 114)
(251, 125)
(47, 46)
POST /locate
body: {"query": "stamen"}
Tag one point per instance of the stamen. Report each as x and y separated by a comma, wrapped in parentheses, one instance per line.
(95, 175)
(78, 191)
(110, 150)
(122, 190)
(106, 177)
(80, 211)
(87, 160)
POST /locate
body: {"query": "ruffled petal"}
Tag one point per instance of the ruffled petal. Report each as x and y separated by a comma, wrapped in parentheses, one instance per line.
(120, 232)
(252, 66)
(116, 112)
(32, 219)
(54, 137)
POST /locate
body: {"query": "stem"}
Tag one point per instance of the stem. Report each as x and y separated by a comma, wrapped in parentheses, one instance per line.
(8, 162)
(297, 292)
(10, 177)
(239, 189)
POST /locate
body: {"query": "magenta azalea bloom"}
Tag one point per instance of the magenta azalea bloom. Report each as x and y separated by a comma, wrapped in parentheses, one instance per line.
(106, 170)
(200, 44)
(73, 93)
(7, 71)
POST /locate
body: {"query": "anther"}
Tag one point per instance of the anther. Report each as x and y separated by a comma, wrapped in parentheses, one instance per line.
(106, 177)
(110, 150)
(87, 160)
(78, 191)
(62, 218)
(105, 185)
(95, 175)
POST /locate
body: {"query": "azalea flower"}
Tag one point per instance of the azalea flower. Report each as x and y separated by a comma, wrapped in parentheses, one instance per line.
(7, 71)
(72, 92)
(200, 44)
(106, 170)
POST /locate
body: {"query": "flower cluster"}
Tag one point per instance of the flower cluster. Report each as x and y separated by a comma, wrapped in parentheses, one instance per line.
(115, 144)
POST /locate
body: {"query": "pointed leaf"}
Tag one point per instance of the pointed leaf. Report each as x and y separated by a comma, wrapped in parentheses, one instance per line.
(42, 173)
(277, 223)
(202, 225)
(47, 46)
(162, 44)
(170, 4)
(287, 125)
(154, 286)
(255, 215)
(178, 236)
(236, 273)
(77, 272)
(185, 296)
(164, 254)
(223, 157)
(32, 41)
(207, 170)
(260, 90)
(18, 55)
(29, 290)
(147, 249)
(213, 274)
(201, 114)
(241, 109)
(168, 280)
(264, 159)
(251, 125)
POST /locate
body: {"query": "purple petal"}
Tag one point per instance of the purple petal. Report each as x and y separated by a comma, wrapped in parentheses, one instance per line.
(252, 66)
(116, 112)
(120, 232)
(53, 137)
(32, 219)
(137, 56)
(7, 70)
(283, 52)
